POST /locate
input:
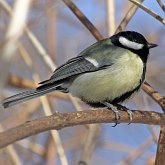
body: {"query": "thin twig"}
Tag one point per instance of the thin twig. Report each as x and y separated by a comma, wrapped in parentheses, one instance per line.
(154, 95)
(13, 155)
(12, 152)
(50, 151)
(150, 127)
(135, 154)
(13, 33)
(89, 144)
(147, 10)
(111, 23)
(84, 20)
(32, 147)
(18, 82)
(116, 146)
(128, 16)
(40, 49)
(161, 4)
(161, 147)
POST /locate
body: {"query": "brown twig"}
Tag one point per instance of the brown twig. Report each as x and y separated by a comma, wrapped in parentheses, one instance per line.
(161, 4)
(89, 144)
(155, 15)
(154, 95)
(84, 20)
(160, 160)
(19, 82)
(136, 153)
(128, 16)
(111, 21)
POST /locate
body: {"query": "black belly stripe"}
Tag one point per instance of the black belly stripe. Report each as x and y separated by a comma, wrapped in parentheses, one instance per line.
(125, 96)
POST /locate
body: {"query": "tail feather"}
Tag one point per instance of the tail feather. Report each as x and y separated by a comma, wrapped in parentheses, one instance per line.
(27, 95)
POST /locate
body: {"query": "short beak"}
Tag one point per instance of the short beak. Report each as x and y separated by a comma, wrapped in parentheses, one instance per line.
(150, 45)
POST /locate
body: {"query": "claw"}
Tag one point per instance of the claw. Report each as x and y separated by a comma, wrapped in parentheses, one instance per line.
(117, 114)
(130, 114)
(115, 124)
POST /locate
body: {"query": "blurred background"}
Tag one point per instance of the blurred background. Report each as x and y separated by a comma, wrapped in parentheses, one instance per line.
(38, 35)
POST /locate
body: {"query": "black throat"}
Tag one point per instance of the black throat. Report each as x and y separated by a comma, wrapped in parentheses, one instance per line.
(142, 53)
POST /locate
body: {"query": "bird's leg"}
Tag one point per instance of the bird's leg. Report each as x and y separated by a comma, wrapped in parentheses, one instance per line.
(123, 108)
(117, 114)
(114, 109)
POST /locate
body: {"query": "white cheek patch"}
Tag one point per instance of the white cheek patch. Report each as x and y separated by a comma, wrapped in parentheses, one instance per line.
(130, 44)
(93, 61)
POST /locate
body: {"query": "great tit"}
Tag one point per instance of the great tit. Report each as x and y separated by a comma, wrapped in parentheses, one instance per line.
(105, 74)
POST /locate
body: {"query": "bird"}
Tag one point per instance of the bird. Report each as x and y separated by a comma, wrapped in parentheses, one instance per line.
(105, 74)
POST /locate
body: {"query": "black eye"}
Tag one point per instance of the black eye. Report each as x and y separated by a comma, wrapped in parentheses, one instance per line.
(135, 40)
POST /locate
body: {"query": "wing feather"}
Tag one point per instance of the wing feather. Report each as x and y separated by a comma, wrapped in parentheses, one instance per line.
(73, 67)
(100, 51)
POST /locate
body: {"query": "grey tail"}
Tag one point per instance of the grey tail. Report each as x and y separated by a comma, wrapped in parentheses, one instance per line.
(29, 94)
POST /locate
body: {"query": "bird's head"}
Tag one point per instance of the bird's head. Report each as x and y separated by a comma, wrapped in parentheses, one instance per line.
(133, 41)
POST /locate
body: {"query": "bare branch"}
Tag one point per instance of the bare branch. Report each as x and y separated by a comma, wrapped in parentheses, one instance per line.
(135, 154)
(83, 19)
(128, 16)
(61, 120)
(156, 16)
(111, 23)
(154, 94)
(161, 4)
(89, 144)
(161, 147)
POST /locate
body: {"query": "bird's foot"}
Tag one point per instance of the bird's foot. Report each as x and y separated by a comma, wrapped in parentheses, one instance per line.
(114, 109)
(129, 112)
(117, 113)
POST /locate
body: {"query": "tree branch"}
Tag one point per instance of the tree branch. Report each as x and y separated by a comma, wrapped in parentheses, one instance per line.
(61, 120)
(160, 149)
(154, 95)
(84, 20)
(128, 16)
(150, 12)
(161, 4)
